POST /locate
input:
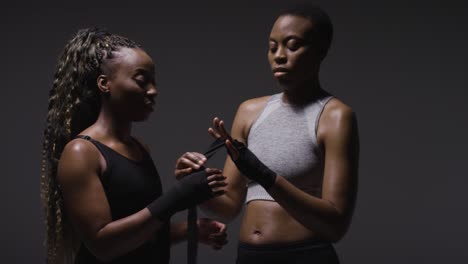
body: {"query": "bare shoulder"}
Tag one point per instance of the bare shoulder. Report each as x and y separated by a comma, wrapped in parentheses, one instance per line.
(79, 158)
(337, 119)
(247, 113)
(79, 148)
(335, 110)
(253, 105)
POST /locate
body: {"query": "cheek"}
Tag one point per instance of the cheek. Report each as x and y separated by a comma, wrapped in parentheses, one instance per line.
(128, 93)
(270, 58)
(303, 61)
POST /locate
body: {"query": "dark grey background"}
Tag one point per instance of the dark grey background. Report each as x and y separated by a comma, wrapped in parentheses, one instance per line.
(401, 66)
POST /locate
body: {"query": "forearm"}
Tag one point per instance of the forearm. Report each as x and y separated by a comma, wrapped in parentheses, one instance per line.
(178, 232)
(226, 207)
(124, 235)
(317, 214)
(223, 208)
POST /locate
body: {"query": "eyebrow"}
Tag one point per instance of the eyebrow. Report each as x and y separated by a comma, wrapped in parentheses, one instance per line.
(288, 38)
(144, 71)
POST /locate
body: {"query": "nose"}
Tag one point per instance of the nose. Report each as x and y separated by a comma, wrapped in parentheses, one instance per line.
(152, 91)
(280, 55)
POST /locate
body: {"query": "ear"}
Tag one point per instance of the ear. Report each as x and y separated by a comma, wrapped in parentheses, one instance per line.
(103, 83)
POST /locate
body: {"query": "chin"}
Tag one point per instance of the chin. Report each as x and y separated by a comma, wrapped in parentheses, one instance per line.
(141, 118)
(284, 81)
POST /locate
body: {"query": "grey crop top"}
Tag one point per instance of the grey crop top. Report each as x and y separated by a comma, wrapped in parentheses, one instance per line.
(284, 138)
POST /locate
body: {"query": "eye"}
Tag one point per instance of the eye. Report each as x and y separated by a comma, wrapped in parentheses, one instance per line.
(294, 44)
(141, 80)
(272, 46)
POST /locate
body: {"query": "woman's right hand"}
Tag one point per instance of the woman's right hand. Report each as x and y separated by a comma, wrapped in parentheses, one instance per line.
(188, 163)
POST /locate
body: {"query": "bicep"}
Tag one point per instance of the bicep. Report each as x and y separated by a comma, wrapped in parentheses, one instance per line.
(341, 146)
(83, 195)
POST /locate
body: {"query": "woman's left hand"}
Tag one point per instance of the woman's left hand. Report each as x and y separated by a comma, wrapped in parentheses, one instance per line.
(218, 131)
(212, 233)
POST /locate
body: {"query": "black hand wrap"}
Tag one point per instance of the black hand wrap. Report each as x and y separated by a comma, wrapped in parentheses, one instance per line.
(189, 191)
(252, 167)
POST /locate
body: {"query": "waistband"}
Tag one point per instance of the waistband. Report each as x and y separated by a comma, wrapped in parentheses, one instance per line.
(296, 245)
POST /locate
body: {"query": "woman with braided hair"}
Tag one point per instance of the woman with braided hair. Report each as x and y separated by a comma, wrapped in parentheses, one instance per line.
(101, 191)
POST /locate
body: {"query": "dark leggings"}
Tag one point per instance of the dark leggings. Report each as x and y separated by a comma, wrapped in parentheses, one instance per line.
(310, 252)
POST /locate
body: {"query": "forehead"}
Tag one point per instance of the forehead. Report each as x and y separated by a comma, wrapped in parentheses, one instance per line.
(291, 25)
(133, 58)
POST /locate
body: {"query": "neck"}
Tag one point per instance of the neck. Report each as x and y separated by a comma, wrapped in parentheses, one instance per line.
(110, 125)
(303, 93)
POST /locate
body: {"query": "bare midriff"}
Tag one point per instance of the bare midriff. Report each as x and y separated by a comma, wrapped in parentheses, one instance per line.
(266, 222)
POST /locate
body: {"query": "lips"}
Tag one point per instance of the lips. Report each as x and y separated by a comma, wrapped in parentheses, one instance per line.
(280, 72)
(280, 69)
(149, 104)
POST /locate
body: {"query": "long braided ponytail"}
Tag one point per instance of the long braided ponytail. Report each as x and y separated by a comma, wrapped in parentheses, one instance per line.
(74, 104)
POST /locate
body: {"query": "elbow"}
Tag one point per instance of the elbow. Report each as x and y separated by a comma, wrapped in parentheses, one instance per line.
(337, 226)
(224, 215)
(337, 232)
(335, 237)
(332, 236)
(229, 213)
(105, 258)
(102, 252)
(227, 218)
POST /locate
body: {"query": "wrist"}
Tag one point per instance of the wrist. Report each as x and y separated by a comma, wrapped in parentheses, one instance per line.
(268, 180)
(273, 183)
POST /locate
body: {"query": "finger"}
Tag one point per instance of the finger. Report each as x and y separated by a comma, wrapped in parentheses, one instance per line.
(216, 123)
(198, 156)
(187, 163)
(219, 242)
(218, 246)
(213, 133)
(220, 233)
(217, 184)
(179, 173)
(223, 131)
(215, 177)
(214, 130)
(195, 157)
(222, 227)
(211, 171)
(218, 189)
(232, 150)
(218, 236)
